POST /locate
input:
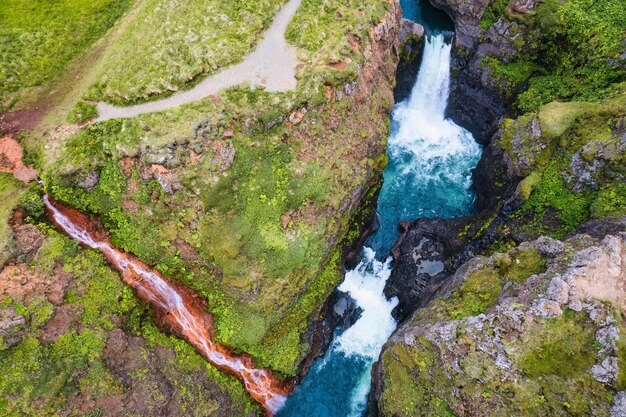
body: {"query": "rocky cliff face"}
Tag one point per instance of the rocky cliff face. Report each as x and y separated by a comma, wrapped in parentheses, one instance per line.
(551, 177)
(537, 330)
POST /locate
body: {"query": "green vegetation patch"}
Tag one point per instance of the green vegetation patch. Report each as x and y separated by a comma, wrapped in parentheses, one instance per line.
(479, 292)
(10, 191)
(42, 375)
(554, 358)
(573, 52)
(81, 112)
(492, 13)
(562, 347)
(40, 39)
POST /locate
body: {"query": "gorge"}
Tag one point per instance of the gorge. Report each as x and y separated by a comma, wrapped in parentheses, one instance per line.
(428, 175)
(315, 249)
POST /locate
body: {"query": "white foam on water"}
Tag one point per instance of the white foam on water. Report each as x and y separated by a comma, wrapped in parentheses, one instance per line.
(365, 285)
(422, 130)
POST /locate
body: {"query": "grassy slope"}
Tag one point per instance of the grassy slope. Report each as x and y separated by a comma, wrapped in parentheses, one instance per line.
(568, 77)
(571, 51)
(252, 264)
(41, 39)
(39, 377)
(174, 43)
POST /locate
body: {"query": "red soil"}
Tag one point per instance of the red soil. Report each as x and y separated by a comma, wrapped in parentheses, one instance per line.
(11, 160)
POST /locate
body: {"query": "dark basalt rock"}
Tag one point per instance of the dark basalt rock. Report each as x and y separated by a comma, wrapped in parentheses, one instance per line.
(422, 261)
(412, 45)
(420, 264)
(339, 312)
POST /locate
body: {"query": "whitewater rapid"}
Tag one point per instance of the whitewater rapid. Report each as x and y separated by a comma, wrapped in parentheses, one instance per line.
(429, 174)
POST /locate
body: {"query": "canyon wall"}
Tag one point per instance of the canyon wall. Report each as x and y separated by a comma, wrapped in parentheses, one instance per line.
(516, 321)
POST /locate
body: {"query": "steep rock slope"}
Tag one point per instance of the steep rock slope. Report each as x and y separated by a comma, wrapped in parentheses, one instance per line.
(537, 330)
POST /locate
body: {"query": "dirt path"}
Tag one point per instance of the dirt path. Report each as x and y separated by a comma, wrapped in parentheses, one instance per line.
(271, 65)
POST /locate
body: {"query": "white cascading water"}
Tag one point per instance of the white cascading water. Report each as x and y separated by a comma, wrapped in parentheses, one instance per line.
(429, 174)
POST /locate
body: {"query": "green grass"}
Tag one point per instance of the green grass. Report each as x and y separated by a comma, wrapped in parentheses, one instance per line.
(479, 292)
(562, 347)
(172, 44)
(39, 377)
(233, 219)
(81, 112)
(40, 39)
(266, 231)
(492, 13)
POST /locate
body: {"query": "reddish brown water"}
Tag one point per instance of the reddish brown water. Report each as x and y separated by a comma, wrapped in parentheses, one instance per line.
(177, 307)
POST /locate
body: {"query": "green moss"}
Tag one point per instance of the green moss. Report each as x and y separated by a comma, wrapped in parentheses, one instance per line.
(562, 347)
(402, 392)
(10, 191)
(551, 192)
(528, 183)
(556, 117)
(479, 292)
(571, 49)
(492, 13)
(523, 264)
(81, 112)
(610, 201)
(509, 75)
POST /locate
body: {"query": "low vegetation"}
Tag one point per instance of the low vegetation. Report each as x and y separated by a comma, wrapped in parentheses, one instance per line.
(572, 52)
(82, 112)
(10, 191)
(174, 43)
(40, 39)
(252, 225)
(44, 372)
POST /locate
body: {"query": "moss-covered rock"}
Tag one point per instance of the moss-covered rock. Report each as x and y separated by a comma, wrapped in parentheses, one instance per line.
(544, 341)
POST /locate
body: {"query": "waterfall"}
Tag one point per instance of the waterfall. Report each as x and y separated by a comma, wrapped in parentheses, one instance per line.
(429, 174)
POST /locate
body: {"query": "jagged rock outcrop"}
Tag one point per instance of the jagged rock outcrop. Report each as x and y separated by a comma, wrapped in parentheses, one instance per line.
(537, 330)
(411, 36)
(478, 98)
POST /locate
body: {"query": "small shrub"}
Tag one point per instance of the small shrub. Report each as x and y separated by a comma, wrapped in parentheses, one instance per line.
(81, 112)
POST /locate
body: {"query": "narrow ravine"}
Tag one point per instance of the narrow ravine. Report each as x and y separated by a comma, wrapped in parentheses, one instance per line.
(177, 307)
(428, 175)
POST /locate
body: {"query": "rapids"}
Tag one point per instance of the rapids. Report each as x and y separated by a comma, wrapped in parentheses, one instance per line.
(428, 175)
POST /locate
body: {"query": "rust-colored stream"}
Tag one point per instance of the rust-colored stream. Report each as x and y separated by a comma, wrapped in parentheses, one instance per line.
(177, 307)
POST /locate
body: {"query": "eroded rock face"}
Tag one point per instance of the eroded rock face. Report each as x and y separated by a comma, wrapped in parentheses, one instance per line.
(466, 16)
(556, 326)
(422, 261)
